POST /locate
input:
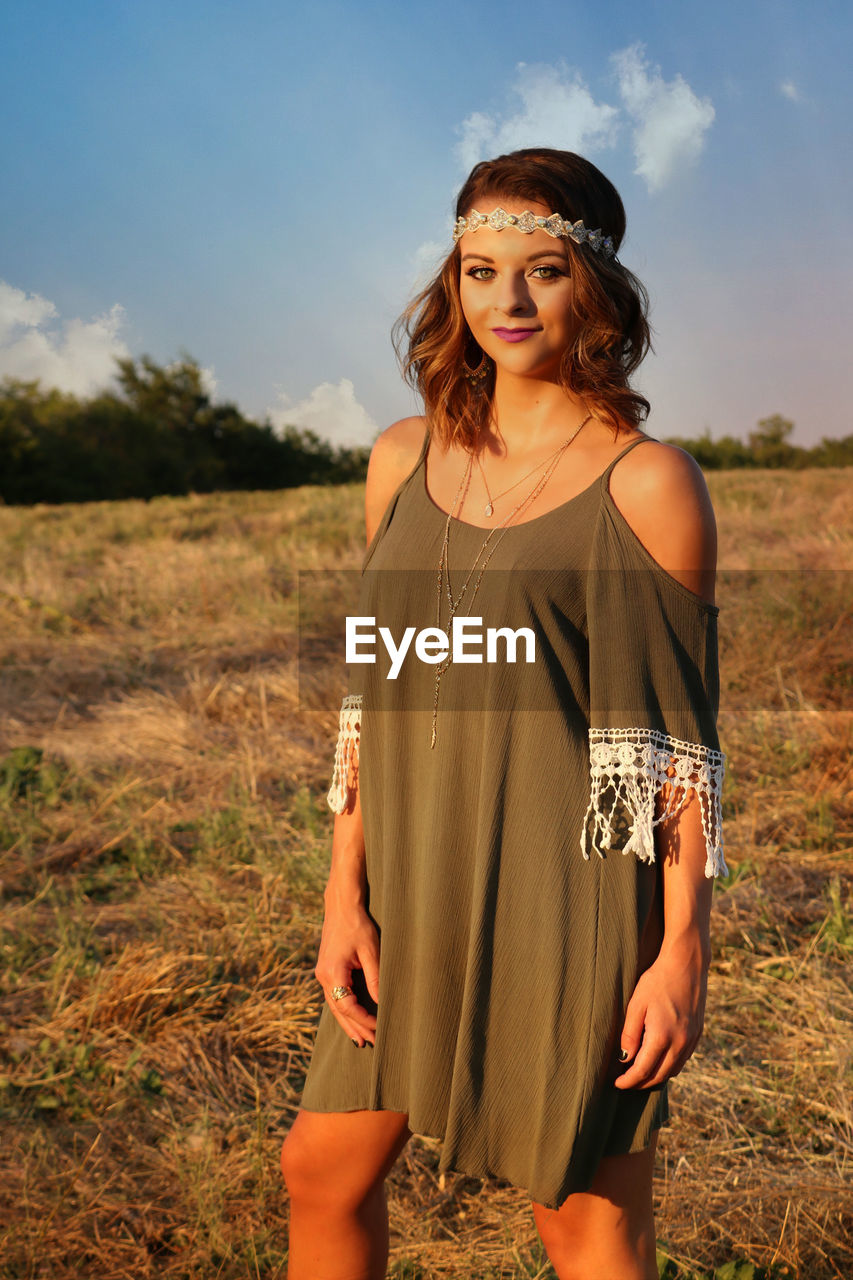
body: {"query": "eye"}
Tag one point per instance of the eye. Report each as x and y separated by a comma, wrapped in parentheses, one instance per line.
(550, 272)
(477, 273)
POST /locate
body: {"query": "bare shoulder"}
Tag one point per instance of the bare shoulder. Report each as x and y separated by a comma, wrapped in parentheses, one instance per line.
(661, 492)
(394, 453)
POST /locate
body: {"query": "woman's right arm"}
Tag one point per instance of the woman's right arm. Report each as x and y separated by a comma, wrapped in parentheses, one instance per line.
(350, 940)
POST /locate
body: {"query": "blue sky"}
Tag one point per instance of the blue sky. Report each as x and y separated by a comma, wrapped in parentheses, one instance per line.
(261, 185)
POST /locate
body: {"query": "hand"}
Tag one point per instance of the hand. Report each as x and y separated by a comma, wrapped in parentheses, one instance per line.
(664, 1018)
(349, 942)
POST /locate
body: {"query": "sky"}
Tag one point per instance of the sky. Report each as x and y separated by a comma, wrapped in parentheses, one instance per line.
(263, 185)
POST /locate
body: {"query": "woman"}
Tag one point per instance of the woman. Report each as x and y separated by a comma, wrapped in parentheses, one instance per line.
(516, 944)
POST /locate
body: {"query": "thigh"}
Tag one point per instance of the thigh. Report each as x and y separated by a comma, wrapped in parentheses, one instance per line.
(609, 1226)
(346, 1152)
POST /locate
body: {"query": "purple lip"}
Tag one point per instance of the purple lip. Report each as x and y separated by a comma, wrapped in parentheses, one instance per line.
(513, 335)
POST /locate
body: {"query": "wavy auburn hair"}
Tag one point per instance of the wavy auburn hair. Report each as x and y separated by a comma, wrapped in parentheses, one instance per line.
(432, 338)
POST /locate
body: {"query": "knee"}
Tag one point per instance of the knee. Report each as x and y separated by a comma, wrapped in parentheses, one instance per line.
(564, 1245)
(317, 1175)
(582, 1243)
(299, 1166)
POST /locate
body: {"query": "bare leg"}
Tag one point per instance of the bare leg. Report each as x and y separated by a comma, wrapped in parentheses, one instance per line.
(335, 1165)
(609, 1231)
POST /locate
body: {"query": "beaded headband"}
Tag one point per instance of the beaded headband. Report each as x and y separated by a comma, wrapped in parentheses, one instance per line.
(528, 223)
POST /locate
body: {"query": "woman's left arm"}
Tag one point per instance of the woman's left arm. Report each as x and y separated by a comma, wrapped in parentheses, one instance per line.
(663, 1021)
(664, 1018)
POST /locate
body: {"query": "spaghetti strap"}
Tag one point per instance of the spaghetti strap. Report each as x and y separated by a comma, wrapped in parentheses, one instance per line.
(424, 447)
(605, 475)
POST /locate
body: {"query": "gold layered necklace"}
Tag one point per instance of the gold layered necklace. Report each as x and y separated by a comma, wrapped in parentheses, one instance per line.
(489, 508)
(486, 551)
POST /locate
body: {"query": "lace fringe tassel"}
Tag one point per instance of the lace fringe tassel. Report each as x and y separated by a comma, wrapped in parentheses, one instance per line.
(346, 754)
(633, 764)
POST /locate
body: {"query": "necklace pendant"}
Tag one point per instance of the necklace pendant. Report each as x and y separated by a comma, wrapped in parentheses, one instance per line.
(488, 509)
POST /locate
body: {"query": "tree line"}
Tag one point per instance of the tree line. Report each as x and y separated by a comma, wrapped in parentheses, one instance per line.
(160, 432)
(767, 446)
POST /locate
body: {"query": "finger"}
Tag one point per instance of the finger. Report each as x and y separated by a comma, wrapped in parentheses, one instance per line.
(675, 1049)
(357, 1034)
(362, 1023)
(644, 1067)
(662, 1072)
(672, 1065)
(368, 959)
(351, 1007)
(353, 1017)
(344, 1009)
(632, 1028)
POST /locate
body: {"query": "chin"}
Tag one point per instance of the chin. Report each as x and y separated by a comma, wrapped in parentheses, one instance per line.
(543, 372)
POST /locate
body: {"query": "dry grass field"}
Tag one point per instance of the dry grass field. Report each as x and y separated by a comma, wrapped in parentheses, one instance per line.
(165, 839)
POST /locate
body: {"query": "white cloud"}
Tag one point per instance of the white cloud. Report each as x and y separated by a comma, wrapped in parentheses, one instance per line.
(670, 122)
(331, 410)
(21, 311)
(73, 355)
(789, 90)
(556, 110)
(553, 107)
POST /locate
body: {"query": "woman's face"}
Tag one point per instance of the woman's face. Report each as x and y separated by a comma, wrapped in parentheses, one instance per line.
(516, 294)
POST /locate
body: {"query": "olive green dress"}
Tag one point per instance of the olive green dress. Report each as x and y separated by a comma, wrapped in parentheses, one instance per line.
(511, 866)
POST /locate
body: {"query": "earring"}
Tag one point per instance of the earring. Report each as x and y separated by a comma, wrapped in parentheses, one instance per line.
(477, 376)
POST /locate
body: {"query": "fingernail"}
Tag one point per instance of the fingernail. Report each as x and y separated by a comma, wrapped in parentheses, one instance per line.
(355, 1042)
(624, 1055)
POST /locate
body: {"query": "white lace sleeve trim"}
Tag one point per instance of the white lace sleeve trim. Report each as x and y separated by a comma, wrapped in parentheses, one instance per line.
(346, 754)
(630, 765)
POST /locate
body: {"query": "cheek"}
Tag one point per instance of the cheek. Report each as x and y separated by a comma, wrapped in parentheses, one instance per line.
(563, 312)
(468, 302)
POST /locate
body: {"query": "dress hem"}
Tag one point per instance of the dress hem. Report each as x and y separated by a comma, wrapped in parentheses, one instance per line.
(472, 1170)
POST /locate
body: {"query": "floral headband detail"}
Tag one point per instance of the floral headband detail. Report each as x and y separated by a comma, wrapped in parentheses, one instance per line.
(559, 228)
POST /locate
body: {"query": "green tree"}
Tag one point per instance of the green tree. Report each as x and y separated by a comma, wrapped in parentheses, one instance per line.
(769, 443)
(712, 455)
(158, 433)
(832, 453)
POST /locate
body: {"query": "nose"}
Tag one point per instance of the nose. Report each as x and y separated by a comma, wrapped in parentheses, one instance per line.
(513, 296)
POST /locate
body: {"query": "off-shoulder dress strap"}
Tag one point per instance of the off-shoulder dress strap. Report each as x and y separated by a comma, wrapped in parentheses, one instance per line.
(423, 451)
(605, 475)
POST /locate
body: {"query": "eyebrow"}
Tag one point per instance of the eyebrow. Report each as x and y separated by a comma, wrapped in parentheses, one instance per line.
(546, 253)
